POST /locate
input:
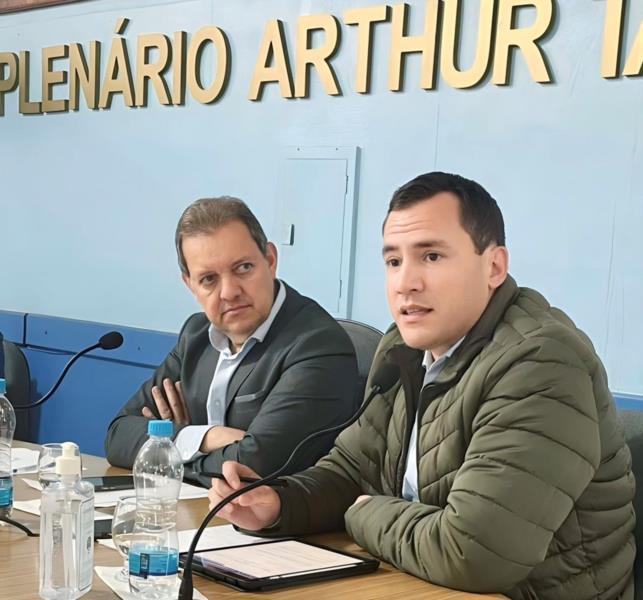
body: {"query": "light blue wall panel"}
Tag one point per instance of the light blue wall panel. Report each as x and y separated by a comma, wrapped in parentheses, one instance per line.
(91, 198)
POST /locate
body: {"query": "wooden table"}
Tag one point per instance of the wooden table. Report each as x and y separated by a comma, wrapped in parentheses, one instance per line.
(19, 561)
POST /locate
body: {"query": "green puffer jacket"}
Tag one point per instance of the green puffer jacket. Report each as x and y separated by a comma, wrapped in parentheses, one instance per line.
(523, 475)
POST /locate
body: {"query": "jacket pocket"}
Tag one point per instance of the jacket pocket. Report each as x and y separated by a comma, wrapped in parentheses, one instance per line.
(244, 408)
(260, 395)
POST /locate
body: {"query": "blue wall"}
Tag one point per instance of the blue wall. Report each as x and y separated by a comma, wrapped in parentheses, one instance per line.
(95, 388)
(89, 200)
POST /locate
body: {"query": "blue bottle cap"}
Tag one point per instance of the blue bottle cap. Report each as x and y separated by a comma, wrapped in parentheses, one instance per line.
(160, 428)
(3, 386)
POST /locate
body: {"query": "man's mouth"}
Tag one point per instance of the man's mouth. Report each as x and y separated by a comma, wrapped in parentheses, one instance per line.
(233, 310)
(413, 310)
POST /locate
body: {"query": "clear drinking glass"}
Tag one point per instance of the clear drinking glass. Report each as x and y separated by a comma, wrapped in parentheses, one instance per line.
(123, 531)
(47, 463)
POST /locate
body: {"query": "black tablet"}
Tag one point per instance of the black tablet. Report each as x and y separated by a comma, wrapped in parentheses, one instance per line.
(278, 563)
(111, 483)
(102, 529)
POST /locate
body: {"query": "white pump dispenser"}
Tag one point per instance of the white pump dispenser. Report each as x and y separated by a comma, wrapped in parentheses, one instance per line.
(67, 531)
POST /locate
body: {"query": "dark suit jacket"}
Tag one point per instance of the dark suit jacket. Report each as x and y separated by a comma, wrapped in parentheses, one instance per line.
(301, 378)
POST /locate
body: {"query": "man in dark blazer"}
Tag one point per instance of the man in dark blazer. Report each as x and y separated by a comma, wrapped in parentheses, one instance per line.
(260, 369)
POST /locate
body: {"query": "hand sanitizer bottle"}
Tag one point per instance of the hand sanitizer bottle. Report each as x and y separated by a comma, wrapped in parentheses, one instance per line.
(67, 531)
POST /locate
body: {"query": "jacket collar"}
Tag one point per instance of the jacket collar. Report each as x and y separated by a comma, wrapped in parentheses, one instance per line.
(290, 307)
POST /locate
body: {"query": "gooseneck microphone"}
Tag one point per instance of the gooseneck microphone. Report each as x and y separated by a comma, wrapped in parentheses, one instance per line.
(108, 341)
(382, 382)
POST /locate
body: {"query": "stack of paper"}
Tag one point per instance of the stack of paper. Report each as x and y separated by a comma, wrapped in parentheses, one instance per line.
(33, 508)
(121, 588)
(107, 499)
(24, 460)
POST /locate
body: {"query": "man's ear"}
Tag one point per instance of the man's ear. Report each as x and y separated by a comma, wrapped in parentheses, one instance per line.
(271, 257)
(498, 266)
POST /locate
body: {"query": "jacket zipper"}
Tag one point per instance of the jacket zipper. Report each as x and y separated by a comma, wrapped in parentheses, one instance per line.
(411, 404)
(436, 390)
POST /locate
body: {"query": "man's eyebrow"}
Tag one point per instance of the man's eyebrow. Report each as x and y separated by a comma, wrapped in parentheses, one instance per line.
(233, 265)
(201, 272)
(418, 246)
(240, 261)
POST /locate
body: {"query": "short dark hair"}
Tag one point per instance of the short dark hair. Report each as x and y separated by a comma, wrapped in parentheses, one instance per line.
(480, 216)
(209, 214)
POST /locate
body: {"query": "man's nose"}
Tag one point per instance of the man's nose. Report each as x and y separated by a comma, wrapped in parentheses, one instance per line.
(409, 279)
(230, 288)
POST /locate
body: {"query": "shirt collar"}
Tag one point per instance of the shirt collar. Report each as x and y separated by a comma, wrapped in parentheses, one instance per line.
(427, 361)
(220, 341)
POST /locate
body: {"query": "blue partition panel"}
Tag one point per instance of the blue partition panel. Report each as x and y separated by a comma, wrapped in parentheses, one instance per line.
(12, 326)
(140, 346)
(628, 401)
(98, 384)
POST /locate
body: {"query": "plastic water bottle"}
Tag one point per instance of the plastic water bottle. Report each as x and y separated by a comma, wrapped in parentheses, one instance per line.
(67, 531)
(7, 427)
(154, 551)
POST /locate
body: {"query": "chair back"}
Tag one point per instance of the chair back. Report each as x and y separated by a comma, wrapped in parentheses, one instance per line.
(633, 427)
(365, 340)
(16, 372)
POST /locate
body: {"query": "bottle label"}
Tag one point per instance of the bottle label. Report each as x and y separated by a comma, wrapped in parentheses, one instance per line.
(153, 562)
(86, 543)
(6, 492)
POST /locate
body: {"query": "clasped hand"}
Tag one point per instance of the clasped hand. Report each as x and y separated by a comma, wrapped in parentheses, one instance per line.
(170, 403)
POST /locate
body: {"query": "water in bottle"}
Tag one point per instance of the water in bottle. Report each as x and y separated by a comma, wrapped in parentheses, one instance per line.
(67, 531)
(154, 551)
(7, 428)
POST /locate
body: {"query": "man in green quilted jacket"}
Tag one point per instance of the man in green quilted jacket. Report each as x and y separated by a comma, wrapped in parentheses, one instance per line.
(496, 462)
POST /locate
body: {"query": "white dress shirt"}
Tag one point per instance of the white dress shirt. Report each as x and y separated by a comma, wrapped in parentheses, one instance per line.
(189, 439)
(433, 369)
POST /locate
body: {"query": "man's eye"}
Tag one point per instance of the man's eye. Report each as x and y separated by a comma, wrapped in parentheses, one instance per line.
(244, 268)
(392, 262)
(207, 280)
(432, 257)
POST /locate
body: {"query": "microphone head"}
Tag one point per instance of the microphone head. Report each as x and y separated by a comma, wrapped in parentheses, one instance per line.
(111, 340)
